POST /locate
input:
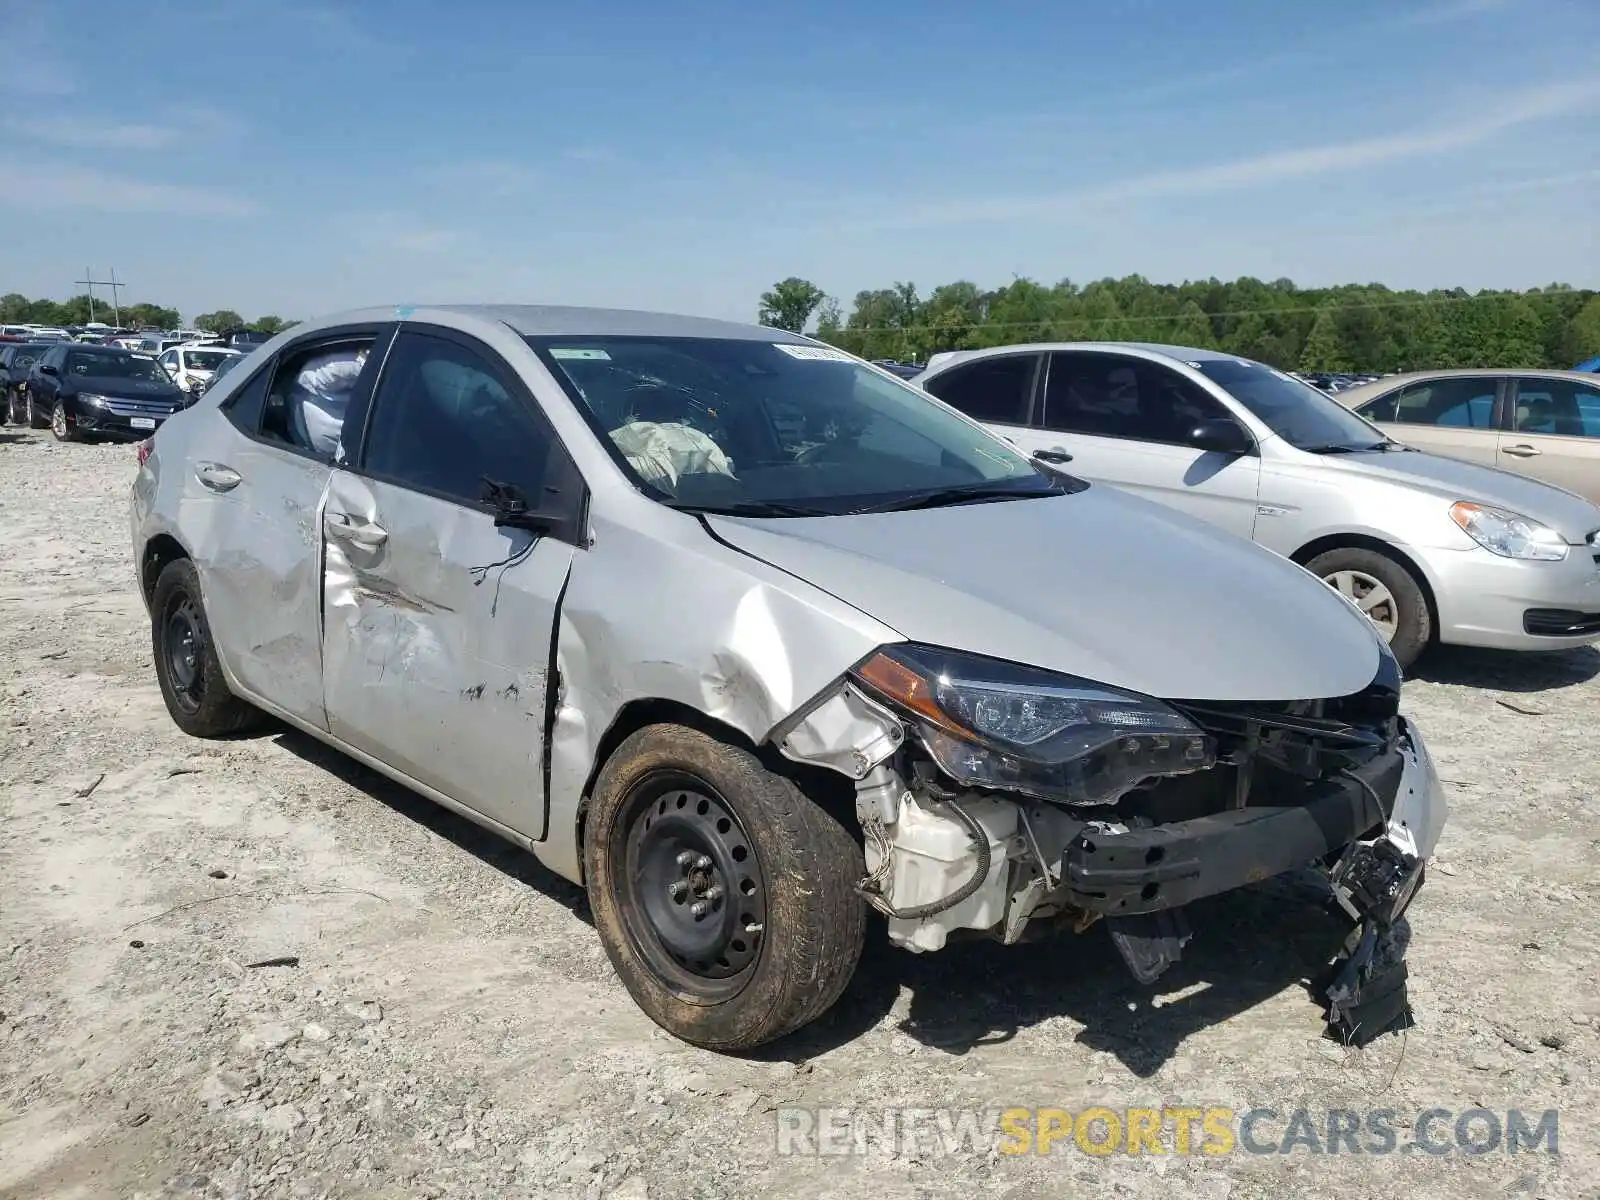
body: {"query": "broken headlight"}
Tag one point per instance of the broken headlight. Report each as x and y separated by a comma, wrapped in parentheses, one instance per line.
(994, 724)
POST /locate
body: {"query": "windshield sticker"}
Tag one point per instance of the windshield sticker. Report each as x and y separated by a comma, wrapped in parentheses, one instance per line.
(572, 352)
(813, 353)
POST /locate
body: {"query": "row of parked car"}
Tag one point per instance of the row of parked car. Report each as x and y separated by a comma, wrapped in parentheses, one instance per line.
(749, 636)
(92, 391)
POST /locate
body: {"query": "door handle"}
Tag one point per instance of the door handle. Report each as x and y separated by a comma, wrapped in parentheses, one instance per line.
(1053, 454)
(217, 477)
(348, 529)
(1522, 451)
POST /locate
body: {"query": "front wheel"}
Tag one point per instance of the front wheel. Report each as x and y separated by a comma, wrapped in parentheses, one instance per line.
(191, 679)
(60, 426)
(36, 419)
(725, 897)
(1383, 589)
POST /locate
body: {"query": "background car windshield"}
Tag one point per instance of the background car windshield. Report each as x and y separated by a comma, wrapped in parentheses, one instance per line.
(1295, 411)
(114, 366)
(714, 422)
(203, 360)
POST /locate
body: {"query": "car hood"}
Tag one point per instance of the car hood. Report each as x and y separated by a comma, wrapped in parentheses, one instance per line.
(1098, 584)
(131, 389)
(1452, 479)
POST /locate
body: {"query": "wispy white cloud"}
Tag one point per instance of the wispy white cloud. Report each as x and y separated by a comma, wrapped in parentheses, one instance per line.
(396, 232)
(590, 154)
(1522, 108)
(1446, 11)
(496, 177)
(79, 133)
(54, 186)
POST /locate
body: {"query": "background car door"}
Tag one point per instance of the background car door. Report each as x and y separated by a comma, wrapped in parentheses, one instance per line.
(264, 489)
(1125, 421)
(1555, 434)
(997, 390)
(1453, 416)
(439, 622)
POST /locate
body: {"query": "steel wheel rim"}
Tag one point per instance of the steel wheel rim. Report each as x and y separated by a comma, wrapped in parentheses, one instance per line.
(181, 647)
(58, 422)
(1371, 596)
(692, 894)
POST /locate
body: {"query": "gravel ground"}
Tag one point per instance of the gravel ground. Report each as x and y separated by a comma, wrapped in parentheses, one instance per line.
(450, 1026)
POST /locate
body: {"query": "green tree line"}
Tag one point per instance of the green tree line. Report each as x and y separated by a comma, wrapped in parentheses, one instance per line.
(17, 309)
(1353, 327)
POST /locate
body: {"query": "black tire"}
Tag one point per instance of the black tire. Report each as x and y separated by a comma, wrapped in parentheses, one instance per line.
(35, 420)
(13, 407)
(1413, 621)
(60, 428)
(789, 864)
(185, 658)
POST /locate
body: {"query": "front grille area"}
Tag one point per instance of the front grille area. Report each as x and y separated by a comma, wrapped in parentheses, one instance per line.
(138, 408)
(1559, 622)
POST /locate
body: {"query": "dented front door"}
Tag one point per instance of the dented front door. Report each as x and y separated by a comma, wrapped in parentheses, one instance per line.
(437, 642)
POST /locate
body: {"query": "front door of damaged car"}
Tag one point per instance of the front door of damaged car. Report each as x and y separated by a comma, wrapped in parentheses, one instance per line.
(438, 621)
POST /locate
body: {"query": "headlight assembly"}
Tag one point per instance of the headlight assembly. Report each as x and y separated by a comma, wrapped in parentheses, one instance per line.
(995, 724)
(1508, 534)
(93, 398)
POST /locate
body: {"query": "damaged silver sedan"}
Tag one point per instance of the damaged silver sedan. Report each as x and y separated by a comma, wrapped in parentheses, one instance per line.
(749, 637)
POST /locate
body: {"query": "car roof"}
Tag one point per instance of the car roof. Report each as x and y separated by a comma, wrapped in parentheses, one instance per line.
(1182, 354)
(538, 320)
(1365, 391)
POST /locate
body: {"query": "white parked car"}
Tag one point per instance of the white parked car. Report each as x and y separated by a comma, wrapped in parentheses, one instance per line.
(193, 365)
(1432, 549)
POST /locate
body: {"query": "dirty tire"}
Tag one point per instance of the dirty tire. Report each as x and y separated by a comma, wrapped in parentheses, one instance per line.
(185, 658)
(814, 920)
(1414, 623)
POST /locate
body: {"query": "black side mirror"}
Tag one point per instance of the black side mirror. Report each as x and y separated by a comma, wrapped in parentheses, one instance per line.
(511, 507)
(47, 369)
(1221, 435)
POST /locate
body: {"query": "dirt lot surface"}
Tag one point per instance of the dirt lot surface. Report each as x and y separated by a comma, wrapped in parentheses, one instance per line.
(452, 1028)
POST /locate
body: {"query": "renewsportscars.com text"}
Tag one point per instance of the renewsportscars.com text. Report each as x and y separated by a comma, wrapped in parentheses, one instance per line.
(1178, 1130)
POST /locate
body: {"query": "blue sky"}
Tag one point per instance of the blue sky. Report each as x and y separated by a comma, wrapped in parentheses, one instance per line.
(311, 155)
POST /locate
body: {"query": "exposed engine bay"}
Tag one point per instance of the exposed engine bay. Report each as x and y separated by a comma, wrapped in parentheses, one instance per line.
(1007, 802)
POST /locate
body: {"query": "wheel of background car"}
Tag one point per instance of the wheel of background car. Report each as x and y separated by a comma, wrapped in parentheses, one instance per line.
(35, 419)
(723, 894)
(59, 425)
(1383, 589)
(185, 657)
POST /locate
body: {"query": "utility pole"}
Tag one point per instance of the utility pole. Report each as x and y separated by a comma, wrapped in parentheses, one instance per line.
(116, 288)
(88, 282)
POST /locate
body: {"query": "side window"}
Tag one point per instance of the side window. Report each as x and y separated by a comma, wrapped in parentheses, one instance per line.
(1381, 409)
(1107, 395)
(1557, 406)
(310, 391)
(243, 406)
(442, 422)
(997, 390)
(1452, 403)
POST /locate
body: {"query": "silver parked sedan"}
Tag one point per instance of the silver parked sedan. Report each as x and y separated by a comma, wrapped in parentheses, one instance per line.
(749, 635)
(1432, 549)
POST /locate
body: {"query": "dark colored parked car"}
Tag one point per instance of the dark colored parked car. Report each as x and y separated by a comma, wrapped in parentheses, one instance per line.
(228, 363)
(245, 340)
(16, 360)
(97, 392)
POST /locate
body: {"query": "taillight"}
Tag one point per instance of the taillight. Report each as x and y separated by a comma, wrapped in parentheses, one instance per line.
(144, 449)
